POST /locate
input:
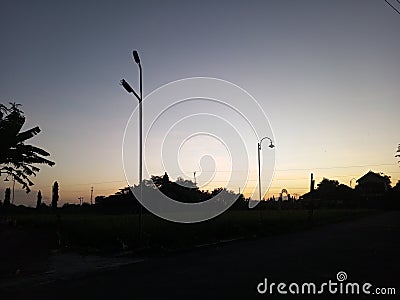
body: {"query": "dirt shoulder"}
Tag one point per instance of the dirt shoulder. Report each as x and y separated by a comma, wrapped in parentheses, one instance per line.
(24, 251)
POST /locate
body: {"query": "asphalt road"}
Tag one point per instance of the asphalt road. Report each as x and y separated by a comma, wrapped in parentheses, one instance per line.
(367, 250)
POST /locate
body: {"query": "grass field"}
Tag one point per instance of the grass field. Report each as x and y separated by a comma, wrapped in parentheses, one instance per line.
(90, 232)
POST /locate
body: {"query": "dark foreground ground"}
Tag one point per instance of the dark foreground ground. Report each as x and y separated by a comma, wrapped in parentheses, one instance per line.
(367, 250)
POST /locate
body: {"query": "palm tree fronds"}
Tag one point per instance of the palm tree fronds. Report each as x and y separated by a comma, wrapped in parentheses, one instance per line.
(16, 158)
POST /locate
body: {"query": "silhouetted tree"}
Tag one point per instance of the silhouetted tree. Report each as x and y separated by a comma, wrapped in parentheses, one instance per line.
(185, 183)
(330, 193)
(181, 190)
(7, 197)
(17, 158)
(54, 198)
(39, 199)
(398, 152)
(165, 179)
(327, 185)
(388, 182)
(161, 182)
(397, 186)
(327, 188)
(392, 197)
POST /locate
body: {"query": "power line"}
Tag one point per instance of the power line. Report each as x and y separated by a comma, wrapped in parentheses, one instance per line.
(100, 182)
(336, 167)
(297, 169)
(88, 183)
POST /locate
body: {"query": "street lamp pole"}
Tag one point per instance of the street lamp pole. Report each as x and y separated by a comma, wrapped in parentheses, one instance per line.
(271, 145)
(137, 60)
(139, 97)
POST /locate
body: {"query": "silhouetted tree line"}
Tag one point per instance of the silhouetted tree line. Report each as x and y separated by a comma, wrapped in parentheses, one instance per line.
(180, 190)
(328, 194)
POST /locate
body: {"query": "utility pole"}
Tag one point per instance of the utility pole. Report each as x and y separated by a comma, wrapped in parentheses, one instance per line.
(194, 175)
(312, 183)
(91, 196)
(13, 189)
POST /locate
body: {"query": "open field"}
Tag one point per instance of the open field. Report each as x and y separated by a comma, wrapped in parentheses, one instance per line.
(92, 232)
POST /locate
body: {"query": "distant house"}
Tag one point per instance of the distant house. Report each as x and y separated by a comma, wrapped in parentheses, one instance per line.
(373, 183)
(372, 186)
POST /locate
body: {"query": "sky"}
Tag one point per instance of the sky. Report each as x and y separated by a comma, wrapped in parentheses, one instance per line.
(326, 74)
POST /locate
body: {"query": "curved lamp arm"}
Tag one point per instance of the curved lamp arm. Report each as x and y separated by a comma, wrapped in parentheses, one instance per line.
(271, 145)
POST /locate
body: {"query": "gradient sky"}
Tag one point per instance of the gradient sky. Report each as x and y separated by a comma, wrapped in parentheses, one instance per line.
(325, 72)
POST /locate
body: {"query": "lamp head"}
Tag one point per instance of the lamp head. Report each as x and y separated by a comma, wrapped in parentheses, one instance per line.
(271, 145)
(136, 56)
(126, 86)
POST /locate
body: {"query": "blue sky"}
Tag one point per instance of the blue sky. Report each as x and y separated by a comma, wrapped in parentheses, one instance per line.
(326, 73)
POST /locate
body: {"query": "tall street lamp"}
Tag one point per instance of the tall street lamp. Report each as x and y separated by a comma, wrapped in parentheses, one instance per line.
(139, 97)
(271, 145)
